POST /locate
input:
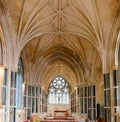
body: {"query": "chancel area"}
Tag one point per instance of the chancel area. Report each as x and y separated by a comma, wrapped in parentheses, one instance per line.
(59, 60)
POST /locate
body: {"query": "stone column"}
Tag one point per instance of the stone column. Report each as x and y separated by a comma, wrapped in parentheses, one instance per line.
(77, 101)
(23, 91)
(116, 100)
(8, 95)
(1, 90)
(1, 84)
(107, 97)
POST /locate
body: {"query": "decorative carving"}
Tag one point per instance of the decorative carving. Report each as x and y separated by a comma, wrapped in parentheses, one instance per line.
(60, 114)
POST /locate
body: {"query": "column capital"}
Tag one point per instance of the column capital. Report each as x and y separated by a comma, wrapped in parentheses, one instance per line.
(105, 70)
(105, 61)
(115, 67)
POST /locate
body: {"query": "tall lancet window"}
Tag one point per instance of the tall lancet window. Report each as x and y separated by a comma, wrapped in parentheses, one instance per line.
(19, 82)
(58, 91)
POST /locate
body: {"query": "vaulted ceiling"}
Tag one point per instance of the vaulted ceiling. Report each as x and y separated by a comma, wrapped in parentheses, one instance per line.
(62, 37)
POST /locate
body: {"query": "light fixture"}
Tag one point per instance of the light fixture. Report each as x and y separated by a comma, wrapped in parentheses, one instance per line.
(23, 92)
(23, 85)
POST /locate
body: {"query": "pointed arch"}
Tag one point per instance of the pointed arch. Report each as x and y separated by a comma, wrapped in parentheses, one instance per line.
(117, 50)
(2, 48)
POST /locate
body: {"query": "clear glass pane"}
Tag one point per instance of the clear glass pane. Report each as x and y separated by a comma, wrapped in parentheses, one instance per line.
(59, 91)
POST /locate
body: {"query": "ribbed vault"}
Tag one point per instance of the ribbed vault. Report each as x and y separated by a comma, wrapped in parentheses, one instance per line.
(62, 37)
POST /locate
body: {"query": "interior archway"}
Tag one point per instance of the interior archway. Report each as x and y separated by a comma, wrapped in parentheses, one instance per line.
(71, 39)
(2, 49)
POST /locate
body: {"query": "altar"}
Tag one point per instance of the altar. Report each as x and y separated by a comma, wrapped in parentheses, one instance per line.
(60, 114)
(60, 120)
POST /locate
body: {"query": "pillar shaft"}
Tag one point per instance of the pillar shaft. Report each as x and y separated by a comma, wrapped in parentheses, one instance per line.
(8, 96)
(1, 84)
(107, 100)
(115, 83)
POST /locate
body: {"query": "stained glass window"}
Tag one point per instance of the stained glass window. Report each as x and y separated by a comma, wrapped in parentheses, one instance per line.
(59, 91)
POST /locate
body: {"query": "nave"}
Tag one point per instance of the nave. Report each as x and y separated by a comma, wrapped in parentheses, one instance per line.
(60, 55)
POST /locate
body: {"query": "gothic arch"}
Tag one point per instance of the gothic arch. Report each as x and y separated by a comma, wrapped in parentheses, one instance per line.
(2, 49)
(117, 51)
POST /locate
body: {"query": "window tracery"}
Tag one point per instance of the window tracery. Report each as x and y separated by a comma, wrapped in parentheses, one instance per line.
(59, 91)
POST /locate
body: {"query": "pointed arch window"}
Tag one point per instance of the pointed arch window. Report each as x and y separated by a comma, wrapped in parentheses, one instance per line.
(19, 82)
(59, 91)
